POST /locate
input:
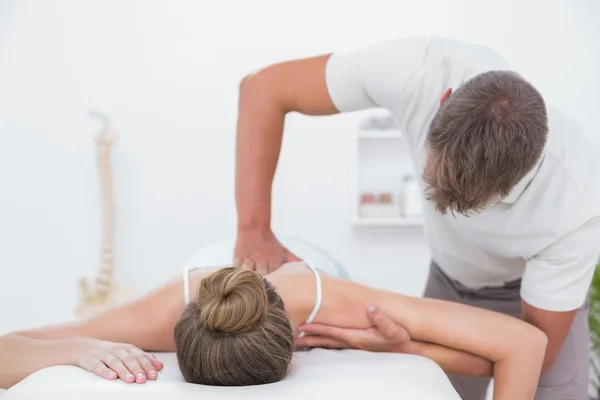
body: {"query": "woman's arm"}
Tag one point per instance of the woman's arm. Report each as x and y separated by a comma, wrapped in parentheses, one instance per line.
(515, 347)
(452, 361)
(146, 323)
(388, 337)
(22, 356)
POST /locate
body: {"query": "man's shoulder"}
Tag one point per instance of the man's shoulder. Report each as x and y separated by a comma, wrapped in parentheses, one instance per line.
(573, 160)
(458, 52)
(468, 52)
(434, 48)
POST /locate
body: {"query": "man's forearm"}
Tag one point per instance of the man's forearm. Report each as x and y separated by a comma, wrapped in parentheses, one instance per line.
(555, 325)
(265, 99)
(452, 361)
(259, 136)
(21, 356)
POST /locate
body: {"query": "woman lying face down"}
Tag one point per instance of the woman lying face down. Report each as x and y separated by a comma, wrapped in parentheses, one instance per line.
(238, 328)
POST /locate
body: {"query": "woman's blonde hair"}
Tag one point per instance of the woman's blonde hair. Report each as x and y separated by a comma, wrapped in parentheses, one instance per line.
(235, 333)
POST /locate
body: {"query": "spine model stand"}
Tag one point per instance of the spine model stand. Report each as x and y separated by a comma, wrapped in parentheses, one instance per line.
(103, 293)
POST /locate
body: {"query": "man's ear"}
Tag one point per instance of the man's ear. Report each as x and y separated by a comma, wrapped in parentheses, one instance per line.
(445, 96)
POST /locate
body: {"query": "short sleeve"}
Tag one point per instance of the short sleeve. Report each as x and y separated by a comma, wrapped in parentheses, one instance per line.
(558, 278)
(373, 76)
(407, 76)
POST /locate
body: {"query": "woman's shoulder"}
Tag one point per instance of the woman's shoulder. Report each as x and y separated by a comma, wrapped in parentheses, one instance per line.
(290, 269)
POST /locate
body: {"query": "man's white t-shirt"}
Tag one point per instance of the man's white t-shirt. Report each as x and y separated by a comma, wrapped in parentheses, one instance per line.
(546, 231)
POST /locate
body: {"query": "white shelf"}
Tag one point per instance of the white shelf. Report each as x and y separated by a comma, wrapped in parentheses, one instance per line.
(382, 161)
(380, 134)
(387, 222)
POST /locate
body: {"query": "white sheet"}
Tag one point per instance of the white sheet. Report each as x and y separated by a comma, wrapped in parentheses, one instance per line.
(316, 374)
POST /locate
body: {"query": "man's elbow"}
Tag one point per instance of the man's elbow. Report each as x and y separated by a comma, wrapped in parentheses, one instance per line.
(244, 83)
(255, 81)
(263, 85)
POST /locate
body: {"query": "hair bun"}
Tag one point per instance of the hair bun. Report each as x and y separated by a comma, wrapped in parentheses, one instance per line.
(232, 300)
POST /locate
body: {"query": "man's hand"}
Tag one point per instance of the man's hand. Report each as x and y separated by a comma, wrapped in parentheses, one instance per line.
(111, 360)
(384, 336)
(260, 251)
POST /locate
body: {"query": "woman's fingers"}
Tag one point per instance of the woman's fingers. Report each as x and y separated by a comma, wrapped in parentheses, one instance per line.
(145, 362)
(333, 332)
(115, 364)
(156, 363)
(99, 368)
(130, 364)
(320, 341)
(133, 364)
(318, 335)
(117, 360)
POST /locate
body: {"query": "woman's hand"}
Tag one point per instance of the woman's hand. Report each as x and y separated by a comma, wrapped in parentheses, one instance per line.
(111, 360)
(384, 336)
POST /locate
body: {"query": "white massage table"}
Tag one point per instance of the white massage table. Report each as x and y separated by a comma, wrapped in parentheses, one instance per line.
(315, 374)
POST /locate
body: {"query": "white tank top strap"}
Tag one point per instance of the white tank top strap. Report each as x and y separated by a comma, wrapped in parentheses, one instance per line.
(319, 295)
(215, 255)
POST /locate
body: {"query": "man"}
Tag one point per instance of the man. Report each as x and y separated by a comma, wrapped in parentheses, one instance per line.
(512, 204)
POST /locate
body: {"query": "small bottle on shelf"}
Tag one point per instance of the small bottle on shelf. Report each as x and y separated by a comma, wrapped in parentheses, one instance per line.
(413, 205)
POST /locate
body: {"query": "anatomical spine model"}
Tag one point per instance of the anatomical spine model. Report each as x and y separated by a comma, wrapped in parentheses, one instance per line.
(103, 292)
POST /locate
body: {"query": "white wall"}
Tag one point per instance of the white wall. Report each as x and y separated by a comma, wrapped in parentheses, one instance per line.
(167, 73)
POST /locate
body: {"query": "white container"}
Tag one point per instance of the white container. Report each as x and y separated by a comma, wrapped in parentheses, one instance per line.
(413, 198)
